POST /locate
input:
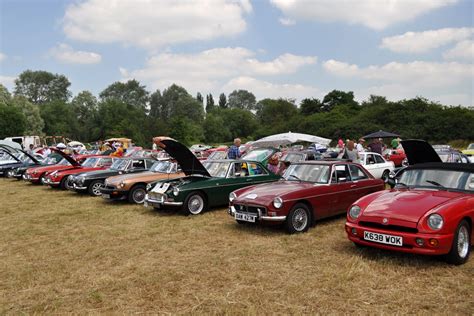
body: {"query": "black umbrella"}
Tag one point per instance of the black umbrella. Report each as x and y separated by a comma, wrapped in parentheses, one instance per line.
(381, 134)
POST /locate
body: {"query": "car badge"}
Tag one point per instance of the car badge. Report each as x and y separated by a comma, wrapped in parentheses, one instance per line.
(385, 221)
(251, 196)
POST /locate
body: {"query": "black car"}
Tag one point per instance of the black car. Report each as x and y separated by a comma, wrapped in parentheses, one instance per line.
(15, 159)
(93, 181)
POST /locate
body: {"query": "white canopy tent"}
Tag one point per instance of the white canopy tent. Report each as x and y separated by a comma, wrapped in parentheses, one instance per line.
(289, 138)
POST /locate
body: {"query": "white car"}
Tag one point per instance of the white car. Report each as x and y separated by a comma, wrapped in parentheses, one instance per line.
(376, 165)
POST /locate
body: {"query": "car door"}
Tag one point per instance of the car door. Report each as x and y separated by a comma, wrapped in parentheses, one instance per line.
(342, 186)
(218, 189)
(362, 183)
(370, 165)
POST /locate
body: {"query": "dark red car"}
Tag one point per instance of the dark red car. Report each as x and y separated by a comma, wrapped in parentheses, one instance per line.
(309, 191)
(60, 178)
(38, 174)
(430, 211)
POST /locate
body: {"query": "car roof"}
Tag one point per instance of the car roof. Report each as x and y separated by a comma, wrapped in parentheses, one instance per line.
(322, 162)
(452, 166)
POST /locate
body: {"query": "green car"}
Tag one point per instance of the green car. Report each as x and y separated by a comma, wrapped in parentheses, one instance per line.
(207, 184)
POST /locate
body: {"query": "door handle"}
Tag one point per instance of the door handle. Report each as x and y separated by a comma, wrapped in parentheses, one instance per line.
(353, 185)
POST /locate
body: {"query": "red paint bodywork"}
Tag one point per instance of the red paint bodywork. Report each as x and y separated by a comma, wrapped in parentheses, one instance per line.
(407, 212)
(57, 177)
(397, 156)
(325, 200)
(34, 174)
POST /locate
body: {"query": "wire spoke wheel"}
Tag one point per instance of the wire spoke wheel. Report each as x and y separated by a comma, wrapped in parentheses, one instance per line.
(463, 242)
(299, 219)
(195, 204)
(138, 196)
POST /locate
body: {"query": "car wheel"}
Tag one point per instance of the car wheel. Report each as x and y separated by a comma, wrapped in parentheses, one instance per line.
(299, 219)
(10, 173)
(194, 204)
(94, 188)
(385, 175)
(137, 194)
(461, 247)
(42, 179)
(68, 184)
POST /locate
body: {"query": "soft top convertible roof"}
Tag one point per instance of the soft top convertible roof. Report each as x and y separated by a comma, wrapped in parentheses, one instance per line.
(452, 166)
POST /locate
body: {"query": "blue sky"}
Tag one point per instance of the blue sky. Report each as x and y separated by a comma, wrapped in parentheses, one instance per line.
(274, 48)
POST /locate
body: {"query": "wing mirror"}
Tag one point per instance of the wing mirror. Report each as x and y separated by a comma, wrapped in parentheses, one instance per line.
(237, 174)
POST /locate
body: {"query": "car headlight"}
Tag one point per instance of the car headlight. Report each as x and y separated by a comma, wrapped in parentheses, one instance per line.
(122, 184)
(232, 196)
(175, 191)
(35, 172)
(435, 221)
(354, 211)
(81, 181)
(277, 202)
(149, 187)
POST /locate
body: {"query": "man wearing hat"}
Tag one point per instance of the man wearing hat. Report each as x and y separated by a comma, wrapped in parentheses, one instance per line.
(360, 145)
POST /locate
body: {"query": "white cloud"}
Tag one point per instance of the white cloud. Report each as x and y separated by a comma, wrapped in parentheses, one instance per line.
(2, 56)
(462, 50)
(421, 42)
(375, 14)
(264, 89)
(207, 70)
(153, 24)
(287, 21)
(65, 54)
(416, 73)
(7, 81)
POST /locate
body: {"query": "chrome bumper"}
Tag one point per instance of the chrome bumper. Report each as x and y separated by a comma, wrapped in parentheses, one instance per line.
(50, 182)
(260, 217)
(76, 187)
(159, 203)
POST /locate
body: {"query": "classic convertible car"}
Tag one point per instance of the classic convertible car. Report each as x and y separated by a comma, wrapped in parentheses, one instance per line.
(430, 211)
(38, 174)
(309, 191)
(92, 181)
(133, 186)
(19, 158)
(61, 178)
(206, 184)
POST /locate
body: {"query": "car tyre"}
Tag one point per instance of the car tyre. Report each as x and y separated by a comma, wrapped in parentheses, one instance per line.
(195, 204)
(42, 179)
(94, 188)
(137, 194)
(299, 219)
(385, 175)
(461, 247)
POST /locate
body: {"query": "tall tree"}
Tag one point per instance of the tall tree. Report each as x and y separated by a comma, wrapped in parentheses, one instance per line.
(59, 119)
(242, 99)
(337, 97)
(222, 101)
(274, 115)
(34, 123)
(155, 107)
(85, 107)
(310, 106)
(177, 102)
(130, 92)
(12, 121)
(209, 103)
(40, 87)
(199, 97)
(5, 95)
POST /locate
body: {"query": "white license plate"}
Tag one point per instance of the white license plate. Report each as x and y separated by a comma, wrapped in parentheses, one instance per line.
(106, 196)
(384, 239)
(245, 217)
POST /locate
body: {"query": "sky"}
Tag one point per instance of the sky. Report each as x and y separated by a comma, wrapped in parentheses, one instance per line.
(274, 48)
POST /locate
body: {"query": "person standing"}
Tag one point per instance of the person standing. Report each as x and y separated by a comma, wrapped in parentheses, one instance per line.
(394, 143)
(360, 146)
(234, 151)
(376, 146)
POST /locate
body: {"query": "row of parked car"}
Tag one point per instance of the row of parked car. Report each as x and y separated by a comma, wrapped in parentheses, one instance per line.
(429, 211)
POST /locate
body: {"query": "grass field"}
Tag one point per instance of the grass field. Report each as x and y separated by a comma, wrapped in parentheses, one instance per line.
(61, 252)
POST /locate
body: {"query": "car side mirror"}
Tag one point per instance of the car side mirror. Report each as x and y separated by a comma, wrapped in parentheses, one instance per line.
(237, 174)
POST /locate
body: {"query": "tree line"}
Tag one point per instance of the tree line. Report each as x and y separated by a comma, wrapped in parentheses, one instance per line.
(41, 104)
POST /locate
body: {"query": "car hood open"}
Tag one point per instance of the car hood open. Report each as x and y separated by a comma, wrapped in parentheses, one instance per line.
(407, 205)
(71, 160)
(189, 163)
(419, 151)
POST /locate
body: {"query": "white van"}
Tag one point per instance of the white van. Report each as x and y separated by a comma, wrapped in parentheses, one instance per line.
(25, 141)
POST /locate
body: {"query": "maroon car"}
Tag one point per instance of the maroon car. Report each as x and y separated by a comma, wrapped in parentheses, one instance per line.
(309, 191)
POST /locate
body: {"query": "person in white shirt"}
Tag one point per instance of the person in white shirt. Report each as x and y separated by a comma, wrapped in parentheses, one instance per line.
(360, 145)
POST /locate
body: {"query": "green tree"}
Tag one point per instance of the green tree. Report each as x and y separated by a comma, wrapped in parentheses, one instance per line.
(176, 102)
(222, 101)
(12, 121)
(130, 92)
(310, 106)
(199, 97)
(155, 107)
(337, 97)
(34, 123)
(209, 103)
(216, 129)
(242, 99)
(59, 118)
(5, 95)
(274, 115)
(85, 108)
(186, 130)
(41, 87)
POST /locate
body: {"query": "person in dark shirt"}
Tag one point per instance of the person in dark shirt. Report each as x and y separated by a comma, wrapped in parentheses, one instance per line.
(376, 146)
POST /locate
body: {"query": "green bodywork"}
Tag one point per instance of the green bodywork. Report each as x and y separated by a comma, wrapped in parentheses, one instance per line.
(216, 190)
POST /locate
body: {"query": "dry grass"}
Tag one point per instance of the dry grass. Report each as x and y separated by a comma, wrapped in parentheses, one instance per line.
(62, 252)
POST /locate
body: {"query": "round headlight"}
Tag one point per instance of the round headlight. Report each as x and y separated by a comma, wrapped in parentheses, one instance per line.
(354, 212)
(435, 221)
(277, 202)
(148, 187)
(232, 196)
(122, 184)
(175, 191)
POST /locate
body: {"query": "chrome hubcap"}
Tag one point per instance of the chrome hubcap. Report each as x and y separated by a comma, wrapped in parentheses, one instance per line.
(139, 196)
(195, 204)
(300, 219)
(463, 242)
(96, 188)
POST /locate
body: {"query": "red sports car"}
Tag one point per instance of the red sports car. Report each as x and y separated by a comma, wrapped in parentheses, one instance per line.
(38, 174)
(430, 211)
(396, 155)
(60, 178)
(309, 191)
